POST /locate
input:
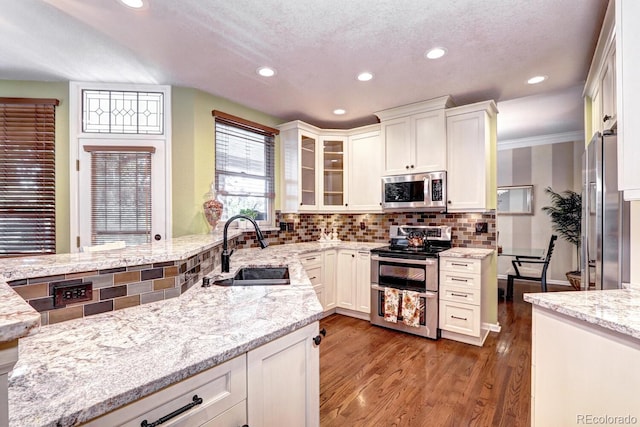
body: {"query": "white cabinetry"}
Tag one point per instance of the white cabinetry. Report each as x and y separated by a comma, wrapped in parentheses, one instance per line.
(276, 384)
(465, 295)
(580, 370)
(600, 88)
(471, 157)
(353, 282)
(365, 170)
(414, 137)
(628, 96)
(329, 277)
(223, 390)
(323, 169)
(283, 381)
(313, 265)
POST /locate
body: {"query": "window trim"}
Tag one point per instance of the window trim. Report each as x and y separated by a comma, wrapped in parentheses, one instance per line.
(76, 134)
(255, 127)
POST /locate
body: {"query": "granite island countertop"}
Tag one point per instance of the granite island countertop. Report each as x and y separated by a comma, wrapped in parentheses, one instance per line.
(617, 310)
(105, 361)
(474, 253)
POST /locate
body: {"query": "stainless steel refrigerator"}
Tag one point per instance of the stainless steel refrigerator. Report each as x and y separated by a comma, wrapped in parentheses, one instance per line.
(605, 217)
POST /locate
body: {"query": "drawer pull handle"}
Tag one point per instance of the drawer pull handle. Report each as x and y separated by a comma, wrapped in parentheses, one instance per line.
(457, 264)
(459, 295)
(459, 318)
(458, 280)
(312, 278)
(196, 401)
(310, 259)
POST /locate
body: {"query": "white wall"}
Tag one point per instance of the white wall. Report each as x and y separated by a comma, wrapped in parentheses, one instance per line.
(557, 166)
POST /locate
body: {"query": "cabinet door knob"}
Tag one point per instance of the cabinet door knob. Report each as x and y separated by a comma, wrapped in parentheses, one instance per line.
(449, 201)
(323, 331)
(300, 203)
(606, 118)
(317, 340)
(407, 166)
(412, 166)
(346, 204)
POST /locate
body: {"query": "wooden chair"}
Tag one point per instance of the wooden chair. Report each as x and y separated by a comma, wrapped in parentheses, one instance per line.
(537, 271)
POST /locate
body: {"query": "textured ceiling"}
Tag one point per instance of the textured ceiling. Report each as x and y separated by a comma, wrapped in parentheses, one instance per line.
(317, 48)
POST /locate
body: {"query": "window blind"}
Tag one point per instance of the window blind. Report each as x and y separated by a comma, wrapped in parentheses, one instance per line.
(27, 176)
(244, 165)
(120, 196)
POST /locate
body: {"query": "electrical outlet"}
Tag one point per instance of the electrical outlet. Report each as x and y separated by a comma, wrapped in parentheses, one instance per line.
(482, 227)
(283, 226)
(363, 226)
(289, 226)
(72, 293)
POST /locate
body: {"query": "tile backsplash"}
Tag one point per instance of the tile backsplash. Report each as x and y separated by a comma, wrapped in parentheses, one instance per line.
(374, 227)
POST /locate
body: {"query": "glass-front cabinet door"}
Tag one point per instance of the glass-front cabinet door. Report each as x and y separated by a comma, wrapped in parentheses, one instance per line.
(308, 189)
(333, 173)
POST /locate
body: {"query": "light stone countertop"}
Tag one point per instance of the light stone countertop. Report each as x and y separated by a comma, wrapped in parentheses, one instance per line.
(18, 319)
(616, 309)
(475, 253)
(73, 371)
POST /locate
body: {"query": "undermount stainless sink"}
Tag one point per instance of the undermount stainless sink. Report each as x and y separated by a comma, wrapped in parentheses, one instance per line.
(261, 276)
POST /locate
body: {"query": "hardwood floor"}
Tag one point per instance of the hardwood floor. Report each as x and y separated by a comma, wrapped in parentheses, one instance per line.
(373, 376)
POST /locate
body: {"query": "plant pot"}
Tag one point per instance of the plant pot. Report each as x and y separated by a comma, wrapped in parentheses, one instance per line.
(574, 278)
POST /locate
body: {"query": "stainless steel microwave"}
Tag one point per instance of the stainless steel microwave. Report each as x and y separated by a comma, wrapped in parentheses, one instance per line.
(420, 191)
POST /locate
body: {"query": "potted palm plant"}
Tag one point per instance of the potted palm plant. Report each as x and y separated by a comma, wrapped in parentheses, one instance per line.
(565, 213)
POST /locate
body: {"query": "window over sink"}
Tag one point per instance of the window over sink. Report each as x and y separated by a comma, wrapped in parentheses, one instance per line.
(244, 170)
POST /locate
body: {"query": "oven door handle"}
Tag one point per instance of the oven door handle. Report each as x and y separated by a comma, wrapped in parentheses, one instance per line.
(430, 261)
(425, 294)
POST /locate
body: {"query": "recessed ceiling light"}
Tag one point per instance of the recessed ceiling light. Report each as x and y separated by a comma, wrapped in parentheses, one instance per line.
(135, 4)
(435, 53)
(365, 77)
(266, 71)
(339, 111)
(537, 79)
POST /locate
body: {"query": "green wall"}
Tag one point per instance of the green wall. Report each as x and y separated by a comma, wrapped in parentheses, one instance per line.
(193, 153)
(59, 91)
(193, 150)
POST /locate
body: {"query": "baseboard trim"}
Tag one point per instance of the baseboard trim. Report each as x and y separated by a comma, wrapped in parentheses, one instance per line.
(549, 281)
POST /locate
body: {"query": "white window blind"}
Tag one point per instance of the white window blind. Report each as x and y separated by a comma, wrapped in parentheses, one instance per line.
(244, 166)
(120, 195)
(27, 176)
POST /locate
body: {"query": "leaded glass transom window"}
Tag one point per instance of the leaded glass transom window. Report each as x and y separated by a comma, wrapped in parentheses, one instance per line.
(129, 112)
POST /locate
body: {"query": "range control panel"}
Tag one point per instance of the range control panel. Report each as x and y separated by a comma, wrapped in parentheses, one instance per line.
(72, 293)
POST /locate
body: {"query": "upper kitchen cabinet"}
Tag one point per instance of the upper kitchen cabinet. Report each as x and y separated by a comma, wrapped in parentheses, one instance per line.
(471, 157)
(330, 169)
(600, 89)
(628, 96)
(299, 144)
(414, 137)
(332, 173)
(365, 169)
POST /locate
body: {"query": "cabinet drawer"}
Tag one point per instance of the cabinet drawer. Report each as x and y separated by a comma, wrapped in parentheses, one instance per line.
(460, 280)
(463, 295)
(310, 259)
(460, 318)
(236, 416)
(220, 388)
(315, 274)
(463, 265)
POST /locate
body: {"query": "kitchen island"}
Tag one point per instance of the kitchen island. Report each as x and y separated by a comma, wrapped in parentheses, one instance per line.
(585, 352)
(74, 371)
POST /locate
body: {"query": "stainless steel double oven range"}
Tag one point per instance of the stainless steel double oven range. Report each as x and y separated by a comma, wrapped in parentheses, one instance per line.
(410, 262)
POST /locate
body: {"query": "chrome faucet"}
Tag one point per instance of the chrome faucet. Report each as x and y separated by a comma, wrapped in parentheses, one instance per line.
(226, 255)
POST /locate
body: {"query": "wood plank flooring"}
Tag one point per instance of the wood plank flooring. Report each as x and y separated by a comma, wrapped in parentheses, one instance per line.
(373, 376)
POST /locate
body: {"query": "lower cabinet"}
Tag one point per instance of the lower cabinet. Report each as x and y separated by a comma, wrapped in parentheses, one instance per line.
(221, 388)
(464, 295)
(284, 381)
(353, 281)
(276, 384)
(329, 265)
